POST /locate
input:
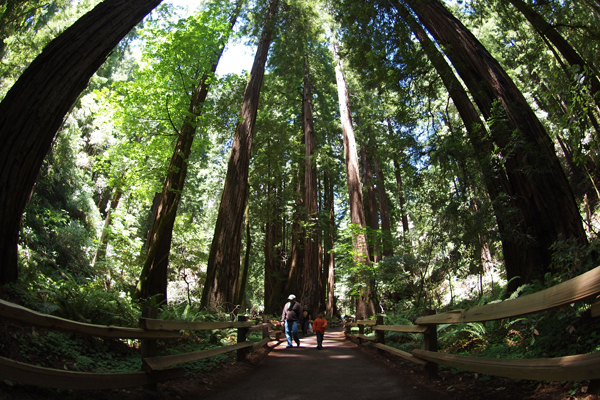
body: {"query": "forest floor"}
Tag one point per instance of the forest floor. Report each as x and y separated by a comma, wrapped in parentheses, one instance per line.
(232, 377)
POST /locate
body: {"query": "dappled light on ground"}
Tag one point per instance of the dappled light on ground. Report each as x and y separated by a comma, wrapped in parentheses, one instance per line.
(339, 371)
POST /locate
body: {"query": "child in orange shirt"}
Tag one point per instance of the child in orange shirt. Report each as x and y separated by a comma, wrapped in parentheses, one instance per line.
(319, 325)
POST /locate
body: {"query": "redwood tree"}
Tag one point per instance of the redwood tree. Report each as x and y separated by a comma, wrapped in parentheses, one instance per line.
(546, 207)
(224, 258)
(34, 108)
(153, 279)
(365, 307)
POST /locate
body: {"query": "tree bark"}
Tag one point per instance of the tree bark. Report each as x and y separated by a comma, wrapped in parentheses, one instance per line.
(34, 108)
(399, 185)
(384, 210)
(371, 214)
(224, 257)
(310, 276)
(273, 251)
(539, 186)
(365, 306)
(154, 277)
(330, 246)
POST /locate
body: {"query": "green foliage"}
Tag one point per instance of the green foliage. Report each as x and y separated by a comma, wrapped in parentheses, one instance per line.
(76, 353)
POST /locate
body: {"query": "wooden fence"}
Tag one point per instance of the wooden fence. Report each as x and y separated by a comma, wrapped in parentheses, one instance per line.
(570, 368)
(155, 369)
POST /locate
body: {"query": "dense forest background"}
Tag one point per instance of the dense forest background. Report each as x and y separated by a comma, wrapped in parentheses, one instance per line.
(396, 156)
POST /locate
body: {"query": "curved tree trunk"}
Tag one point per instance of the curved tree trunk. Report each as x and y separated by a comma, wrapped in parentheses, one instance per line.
(34, 108)
(224, 258)
(365, 306)
(153, 279)
(547, 208)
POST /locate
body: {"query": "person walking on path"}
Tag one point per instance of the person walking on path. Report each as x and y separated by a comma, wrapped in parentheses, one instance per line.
(319, 325)
(305, 320)
(291, 316)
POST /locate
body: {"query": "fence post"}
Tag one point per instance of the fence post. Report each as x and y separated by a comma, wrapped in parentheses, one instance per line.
(241, 337)
(265, 331)
(346, 328)
(380, 335)
(430, 344)
(148, 346)
(361, 331)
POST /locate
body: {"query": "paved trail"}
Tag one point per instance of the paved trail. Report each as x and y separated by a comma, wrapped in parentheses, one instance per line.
(339, 371)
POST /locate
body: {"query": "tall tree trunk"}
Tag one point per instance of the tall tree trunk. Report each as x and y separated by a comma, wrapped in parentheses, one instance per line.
(329, 246)
(273, 250)
(224, 257)
(295, 264)
(399, 185)
(365, 306)
(371, 214)
(34, 108)
(384, 210)
(310, 275)
(153, 279)
(547, 207)
(241, 291)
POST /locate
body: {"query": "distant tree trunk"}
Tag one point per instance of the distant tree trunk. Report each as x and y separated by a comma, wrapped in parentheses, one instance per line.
(547, 31)
(329, 246)
(241, 292)
(399, 186)
(100, 255)
(34, 108)
(547, 207)
(384, 210)
(273, 251)
(310, 276)
(224, 257)
(153, 279)
(371, 214)
(295, 264)
(365, 306)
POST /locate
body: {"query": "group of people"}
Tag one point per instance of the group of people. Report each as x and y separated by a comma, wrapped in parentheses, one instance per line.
(294, 315)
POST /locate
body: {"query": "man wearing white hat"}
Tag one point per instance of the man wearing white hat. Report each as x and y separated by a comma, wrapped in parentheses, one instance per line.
(292, 313)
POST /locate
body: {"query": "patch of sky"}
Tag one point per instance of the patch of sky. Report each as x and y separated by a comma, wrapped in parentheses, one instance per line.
(237, 56)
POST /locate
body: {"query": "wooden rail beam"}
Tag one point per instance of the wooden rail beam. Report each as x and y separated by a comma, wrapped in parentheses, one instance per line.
(24, 315)
(366, 322)
(578, 288)
(570, 368)
(364, 337)
(403, 328)
(159, 324)
(54, 378)
(400, 353)
(155, 363)
(260, 344)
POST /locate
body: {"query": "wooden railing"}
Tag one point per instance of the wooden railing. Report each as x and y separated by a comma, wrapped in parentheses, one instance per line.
(570, 368)
(155, 369)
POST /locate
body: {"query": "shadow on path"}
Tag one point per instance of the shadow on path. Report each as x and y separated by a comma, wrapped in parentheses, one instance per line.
(338, 371)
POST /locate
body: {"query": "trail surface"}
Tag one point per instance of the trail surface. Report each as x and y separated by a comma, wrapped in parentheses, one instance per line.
(338, 371)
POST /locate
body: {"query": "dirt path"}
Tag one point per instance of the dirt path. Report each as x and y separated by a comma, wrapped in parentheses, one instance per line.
(338, 371)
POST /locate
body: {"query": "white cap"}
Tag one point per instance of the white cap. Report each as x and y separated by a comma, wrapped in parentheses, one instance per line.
(291, 297)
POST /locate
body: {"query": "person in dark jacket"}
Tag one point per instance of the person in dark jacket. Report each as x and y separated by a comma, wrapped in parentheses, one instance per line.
(291, 316)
